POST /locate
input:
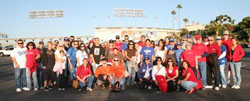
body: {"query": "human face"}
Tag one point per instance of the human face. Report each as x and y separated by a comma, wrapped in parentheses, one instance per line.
(210, 40)
(167, 40)
(97, 41)
(159, 61)
(188, 46)
(218, 41)
(76, 44)
(82, 47)
(234, 42)
(30, 46)
(185, 65)
(198, 41)
(148, 43)
(131, 45)
(143, 39)
(49, 45)
(85, 62)
(60, 47)
(170, 62)
(116, 61)
(160, 43)
(20, 44)
(225, 36)
(147, 61)
(126, 38)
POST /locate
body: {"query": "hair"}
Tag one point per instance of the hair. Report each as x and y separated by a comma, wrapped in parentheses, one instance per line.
(72, 36)
(115, 48)
(152, 42)
(156, 59)
(20, 40)
(147, 40)
(173, 62)
(133, 44)
(183, 62)
(49, 42)
(32, 43)
(61, 51)
(163, 42)
(234, 38)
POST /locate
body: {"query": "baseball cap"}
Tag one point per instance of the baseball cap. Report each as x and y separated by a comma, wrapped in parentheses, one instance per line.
(226, 32)
(179, 44)
(189, 36)
(171, 40)
(218, 38)
(117, 37)
(198, 36)
(66, 39)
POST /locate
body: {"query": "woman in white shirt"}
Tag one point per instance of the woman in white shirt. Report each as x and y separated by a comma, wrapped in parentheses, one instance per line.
(81, 54)
(159, 75)
(160, 50)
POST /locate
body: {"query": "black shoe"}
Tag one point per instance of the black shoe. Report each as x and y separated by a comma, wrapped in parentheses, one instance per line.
(46, 89)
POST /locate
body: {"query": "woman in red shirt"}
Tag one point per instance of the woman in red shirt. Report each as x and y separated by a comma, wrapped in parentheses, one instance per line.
(236, 53)
(172, 74)
(187, 77)
(84, 75)
(32, 55)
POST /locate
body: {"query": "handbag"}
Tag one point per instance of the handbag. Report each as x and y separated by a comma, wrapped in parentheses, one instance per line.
(75, 84)
(126, 74)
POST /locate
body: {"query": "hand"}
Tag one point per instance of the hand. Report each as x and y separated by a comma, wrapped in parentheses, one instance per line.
(198, 57)
(197, 67)
(179, 82)
(82, 80)
(140, 63)
(16, 65)
(44, 67)
(140, 80)
(156, 82)
(94, 63)
(71, 67)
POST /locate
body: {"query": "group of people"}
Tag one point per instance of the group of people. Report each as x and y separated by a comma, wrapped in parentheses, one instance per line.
(192, 63)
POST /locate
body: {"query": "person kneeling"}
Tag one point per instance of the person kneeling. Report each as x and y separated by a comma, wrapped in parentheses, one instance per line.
(118, 74)
(84, 75)
(144, 74)
(102, 73)
(188, 79)
(159, 75)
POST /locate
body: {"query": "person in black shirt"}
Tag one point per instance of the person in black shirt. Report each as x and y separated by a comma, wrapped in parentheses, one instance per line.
(40, 70)
(96, 53)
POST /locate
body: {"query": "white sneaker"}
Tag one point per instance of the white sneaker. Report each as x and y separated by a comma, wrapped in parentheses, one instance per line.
(237, 87)
(233, 86)
(149, 87)
(18, 90)
(217, 88)
(210, 87)
(26, 89)
(89, 89)
(219, 85)
(35, 89)
(224, 86)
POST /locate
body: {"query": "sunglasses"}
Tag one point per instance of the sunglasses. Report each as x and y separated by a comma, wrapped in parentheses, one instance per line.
(60, 46)
(19, 43)
(30, 45)
(158, 60)
(116, 60)
(170, 61)
(83, 46)
(210, 40)
(75, 44)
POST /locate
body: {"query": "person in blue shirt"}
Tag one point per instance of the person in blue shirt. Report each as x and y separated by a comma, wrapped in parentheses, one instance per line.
(144, 74)
(222, 62)
(147, 51)
(171, 45)
(72, 59)
(178, 54)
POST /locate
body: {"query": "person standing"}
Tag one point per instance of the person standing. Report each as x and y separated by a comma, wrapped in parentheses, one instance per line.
(222, 62)
(202, 52)
(118, 43)
(40, 69)
(212, 64)
(72, 59)
(236, 54)
(18, 56)
(148, 52)
(178, 53)
(96, 53)
(160, 50)
(81, 54)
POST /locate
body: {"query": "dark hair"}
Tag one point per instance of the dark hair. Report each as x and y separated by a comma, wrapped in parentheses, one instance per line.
(173, 62)
(156, 59)
(152, 42)
(183, 62)
(147, 40)
(163, 42)
(20, 40)
(32, 43)
(131, 42)
(115, 48)
(72, 36)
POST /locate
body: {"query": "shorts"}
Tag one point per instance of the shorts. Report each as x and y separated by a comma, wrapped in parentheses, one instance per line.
(49, 75)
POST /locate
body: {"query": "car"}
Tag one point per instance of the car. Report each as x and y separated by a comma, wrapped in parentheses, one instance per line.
(6, 50)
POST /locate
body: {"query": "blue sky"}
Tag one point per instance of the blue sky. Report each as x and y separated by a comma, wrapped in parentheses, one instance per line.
(79, 14)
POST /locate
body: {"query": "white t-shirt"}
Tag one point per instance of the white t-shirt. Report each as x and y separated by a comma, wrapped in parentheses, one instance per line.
(20, 55)
(81, 55)
(155, 72)
(59, 56)
(159, 53)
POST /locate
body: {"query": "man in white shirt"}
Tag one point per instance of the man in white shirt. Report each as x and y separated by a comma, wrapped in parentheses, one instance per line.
(18, 56)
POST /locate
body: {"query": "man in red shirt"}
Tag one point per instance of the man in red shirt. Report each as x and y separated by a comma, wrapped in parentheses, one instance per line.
(118, 43)
(201, 51)
(142, 43)
(212, 64)
(228, 43)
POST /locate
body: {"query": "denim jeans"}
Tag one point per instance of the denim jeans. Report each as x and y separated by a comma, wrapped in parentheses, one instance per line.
(235, 68)
(131, 71)
(20, 77)
(222, 76)
(122, 82)
(188, 85)
(40, 75)
(34, 77)
(203, 72)
(89, 81)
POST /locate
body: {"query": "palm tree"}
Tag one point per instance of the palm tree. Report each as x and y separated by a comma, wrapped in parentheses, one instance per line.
(185, 21)
(173, 13)
(179, 8)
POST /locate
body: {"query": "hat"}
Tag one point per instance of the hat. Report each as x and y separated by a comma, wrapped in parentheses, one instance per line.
(179, 44)
(198, 36)
(171, 40)
(104, 59)
(226, 32)
(189, 36)
(110, 41)
(117, 37)
(66, 39)
(218, 38)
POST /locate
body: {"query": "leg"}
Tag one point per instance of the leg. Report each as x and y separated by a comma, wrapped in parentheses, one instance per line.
(222, 75)
(130, 73)
(232, 66)
(188, 85)
(237, 71)
(203, 72)
(209, 75)
(28, 78)
(23, 77)
(18, 77)
(132, 76)
(90, 80)
(215, 71)
(82, 84)
(34, 76)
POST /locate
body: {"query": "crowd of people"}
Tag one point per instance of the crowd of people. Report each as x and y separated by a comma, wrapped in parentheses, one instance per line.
(189, 64)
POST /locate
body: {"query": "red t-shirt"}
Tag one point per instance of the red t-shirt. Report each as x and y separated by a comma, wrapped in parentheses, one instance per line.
(214, 48)
(142, 44)
(192, 76)
(31, 59)
(200, 49)
(189, 55)
(82, 71)
(118, 45)
(173, 73)
(228, 43)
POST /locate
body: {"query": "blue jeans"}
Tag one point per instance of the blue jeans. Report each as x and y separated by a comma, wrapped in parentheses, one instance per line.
(203, 72)
(222, 76)
(89, 81)
(40, 74)
(34, 77)
(20, 77)
(122, 82)
(131, 71)
(188, 85)
(235, 68)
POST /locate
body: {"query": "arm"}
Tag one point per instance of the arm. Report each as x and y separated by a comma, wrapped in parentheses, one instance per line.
(126, 55)
(177, 74)
(223, 54)
(15, 62)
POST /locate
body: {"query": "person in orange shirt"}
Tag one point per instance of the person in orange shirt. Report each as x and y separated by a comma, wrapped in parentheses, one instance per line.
(118, 74)
(102, 73)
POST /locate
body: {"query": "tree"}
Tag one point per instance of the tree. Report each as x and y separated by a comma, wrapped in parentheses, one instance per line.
(185, 21)
(179, 9)
(173, 13)
(184, 32)
(243, 29)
